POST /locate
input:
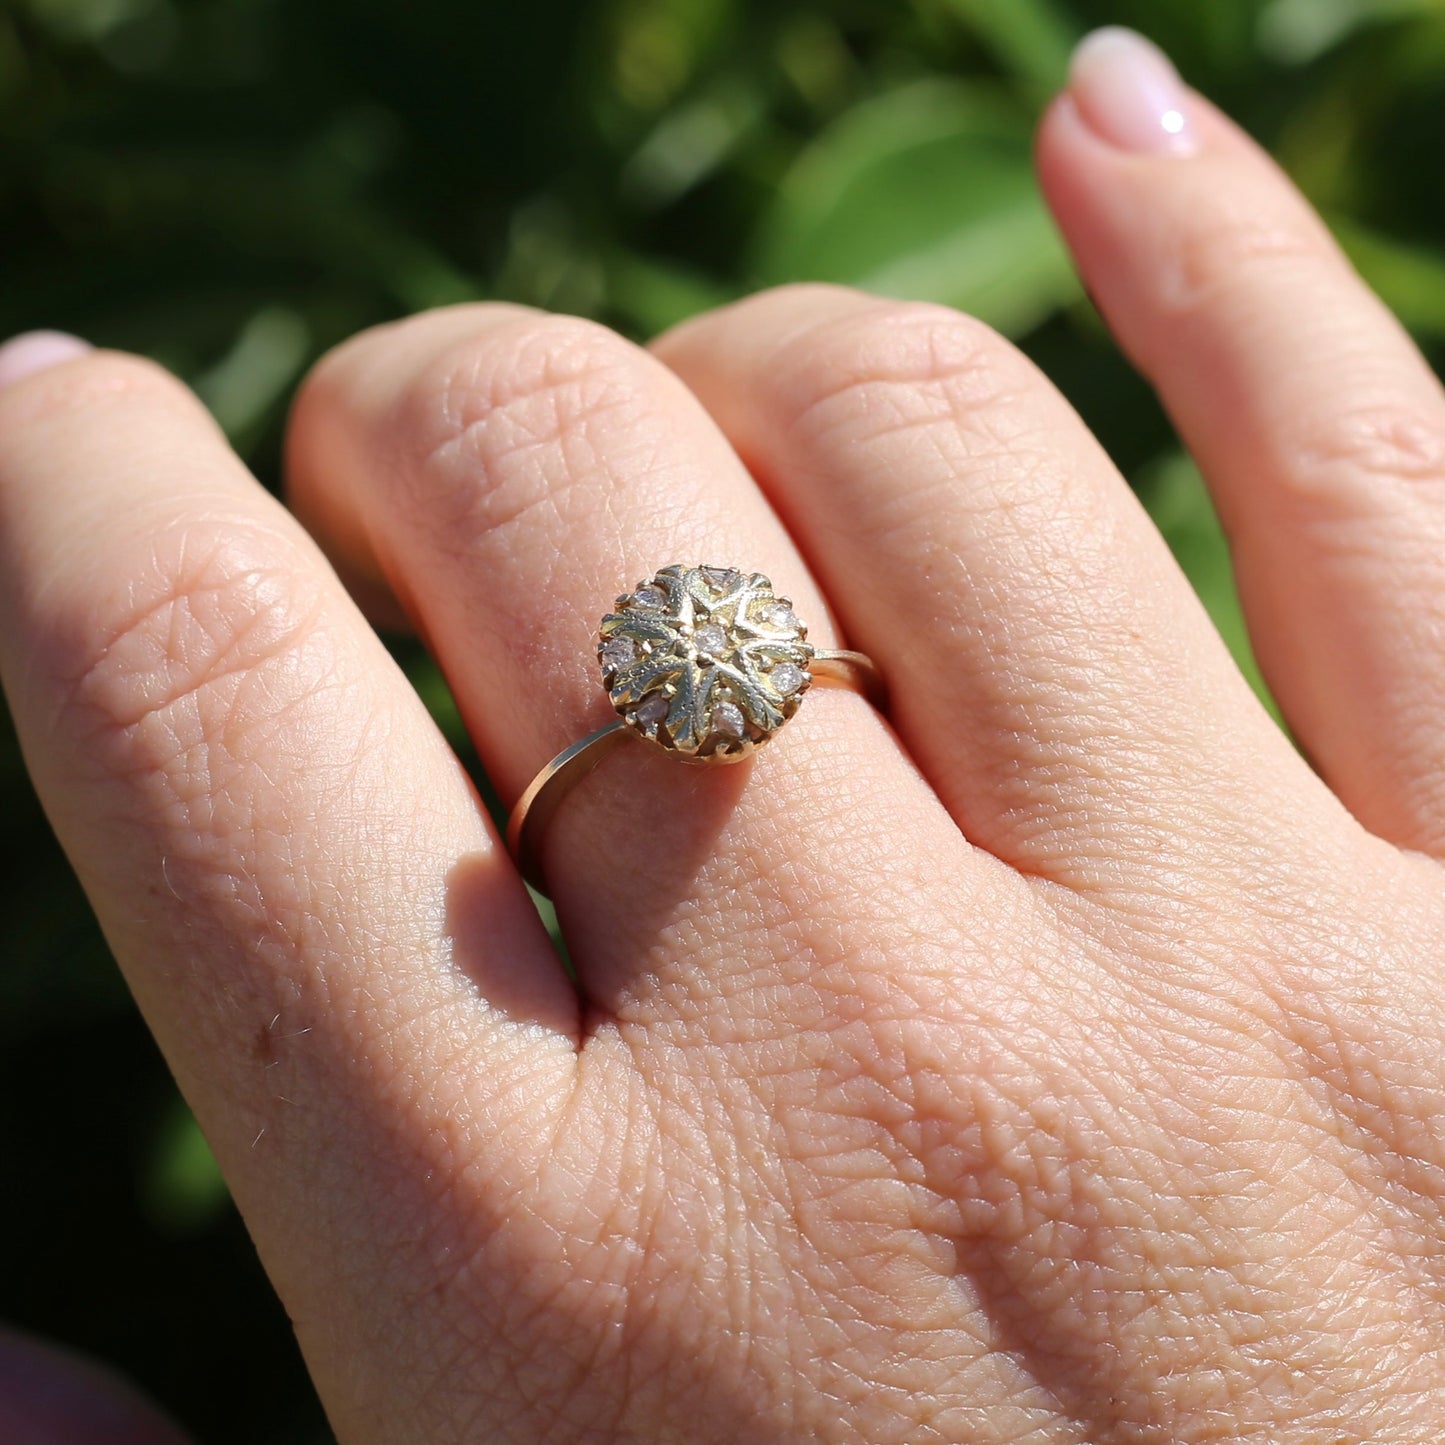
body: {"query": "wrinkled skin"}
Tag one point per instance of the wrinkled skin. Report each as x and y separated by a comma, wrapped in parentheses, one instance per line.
(1059, 1060)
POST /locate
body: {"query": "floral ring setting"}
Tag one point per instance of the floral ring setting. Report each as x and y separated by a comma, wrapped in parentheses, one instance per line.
(705, 663)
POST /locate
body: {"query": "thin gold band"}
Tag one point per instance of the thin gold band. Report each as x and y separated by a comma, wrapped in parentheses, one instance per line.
(544, 794)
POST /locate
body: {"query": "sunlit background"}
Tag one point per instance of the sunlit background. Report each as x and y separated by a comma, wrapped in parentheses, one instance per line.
(231, 186)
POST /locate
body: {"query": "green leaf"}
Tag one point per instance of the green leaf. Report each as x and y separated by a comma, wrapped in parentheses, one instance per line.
(690, 142)
(1031, 39)
(924, 193)
(182, 1189)
(1297, 32)
(1409, 279)
(266, 358)
(649, 294)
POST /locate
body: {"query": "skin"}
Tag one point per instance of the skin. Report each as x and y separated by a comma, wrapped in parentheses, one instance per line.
(1059, 1060)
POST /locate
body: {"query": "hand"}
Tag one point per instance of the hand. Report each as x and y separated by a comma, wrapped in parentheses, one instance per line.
(1061, 1063)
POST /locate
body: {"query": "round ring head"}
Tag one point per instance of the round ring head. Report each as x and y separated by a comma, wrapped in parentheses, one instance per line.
(705, 662)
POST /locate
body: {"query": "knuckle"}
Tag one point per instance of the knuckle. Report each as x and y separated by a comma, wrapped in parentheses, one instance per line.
(1228, 250)
(508, 422)
(867, 375)
(220, 638)
(1383, 442)
(93, 385)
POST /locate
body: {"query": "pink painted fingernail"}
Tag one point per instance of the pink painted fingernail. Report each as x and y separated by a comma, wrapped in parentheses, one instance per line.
(33, 351)
(1129, 93)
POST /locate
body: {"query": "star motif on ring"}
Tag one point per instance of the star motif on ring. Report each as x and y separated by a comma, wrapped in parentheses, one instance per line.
(705, 662)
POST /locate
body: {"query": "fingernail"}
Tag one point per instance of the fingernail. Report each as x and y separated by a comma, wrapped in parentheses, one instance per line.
(1129, 93)
(33, 351)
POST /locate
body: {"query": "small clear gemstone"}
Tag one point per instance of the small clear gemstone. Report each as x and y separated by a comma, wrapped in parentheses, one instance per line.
(649, 597)
(711, 639)
(618, 652)
(787, 678)
(779, 614)
(652, 710)
(728, 720)
(720, 577)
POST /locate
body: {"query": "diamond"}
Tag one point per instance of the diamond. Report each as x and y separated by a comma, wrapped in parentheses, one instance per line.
(779, 614)
(618, 652)
(649, 597)
(786, 678)
(652, 710)
(720, 577)
(711, 639)
(728, 720)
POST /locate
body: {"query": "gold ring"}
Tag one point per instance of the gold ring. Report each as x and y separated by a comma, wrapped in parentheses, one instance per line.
(705, 663)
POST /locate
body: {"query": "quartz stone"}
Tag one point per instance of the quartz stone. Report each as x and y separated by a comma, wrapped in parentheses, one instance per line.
(711, 639)
(786, 678)
(649, 596)
(652, 710)
(728, 720)
(618, 652)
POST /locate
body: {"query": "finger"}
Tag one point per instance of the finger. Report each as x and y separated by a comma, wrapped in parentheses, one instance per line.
(1056, 678)
(511, 474)
(1317, 423)
(290, 865)
(49, 1396)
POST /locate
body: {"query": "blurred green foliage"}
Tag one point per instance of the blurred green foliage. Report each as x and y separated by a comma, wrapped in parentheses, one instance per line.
(234, 185)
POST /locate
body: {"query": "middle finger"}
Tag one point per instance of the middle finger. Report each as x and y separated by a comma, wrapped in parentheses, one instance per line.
(509, 474)
(1059, 683)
